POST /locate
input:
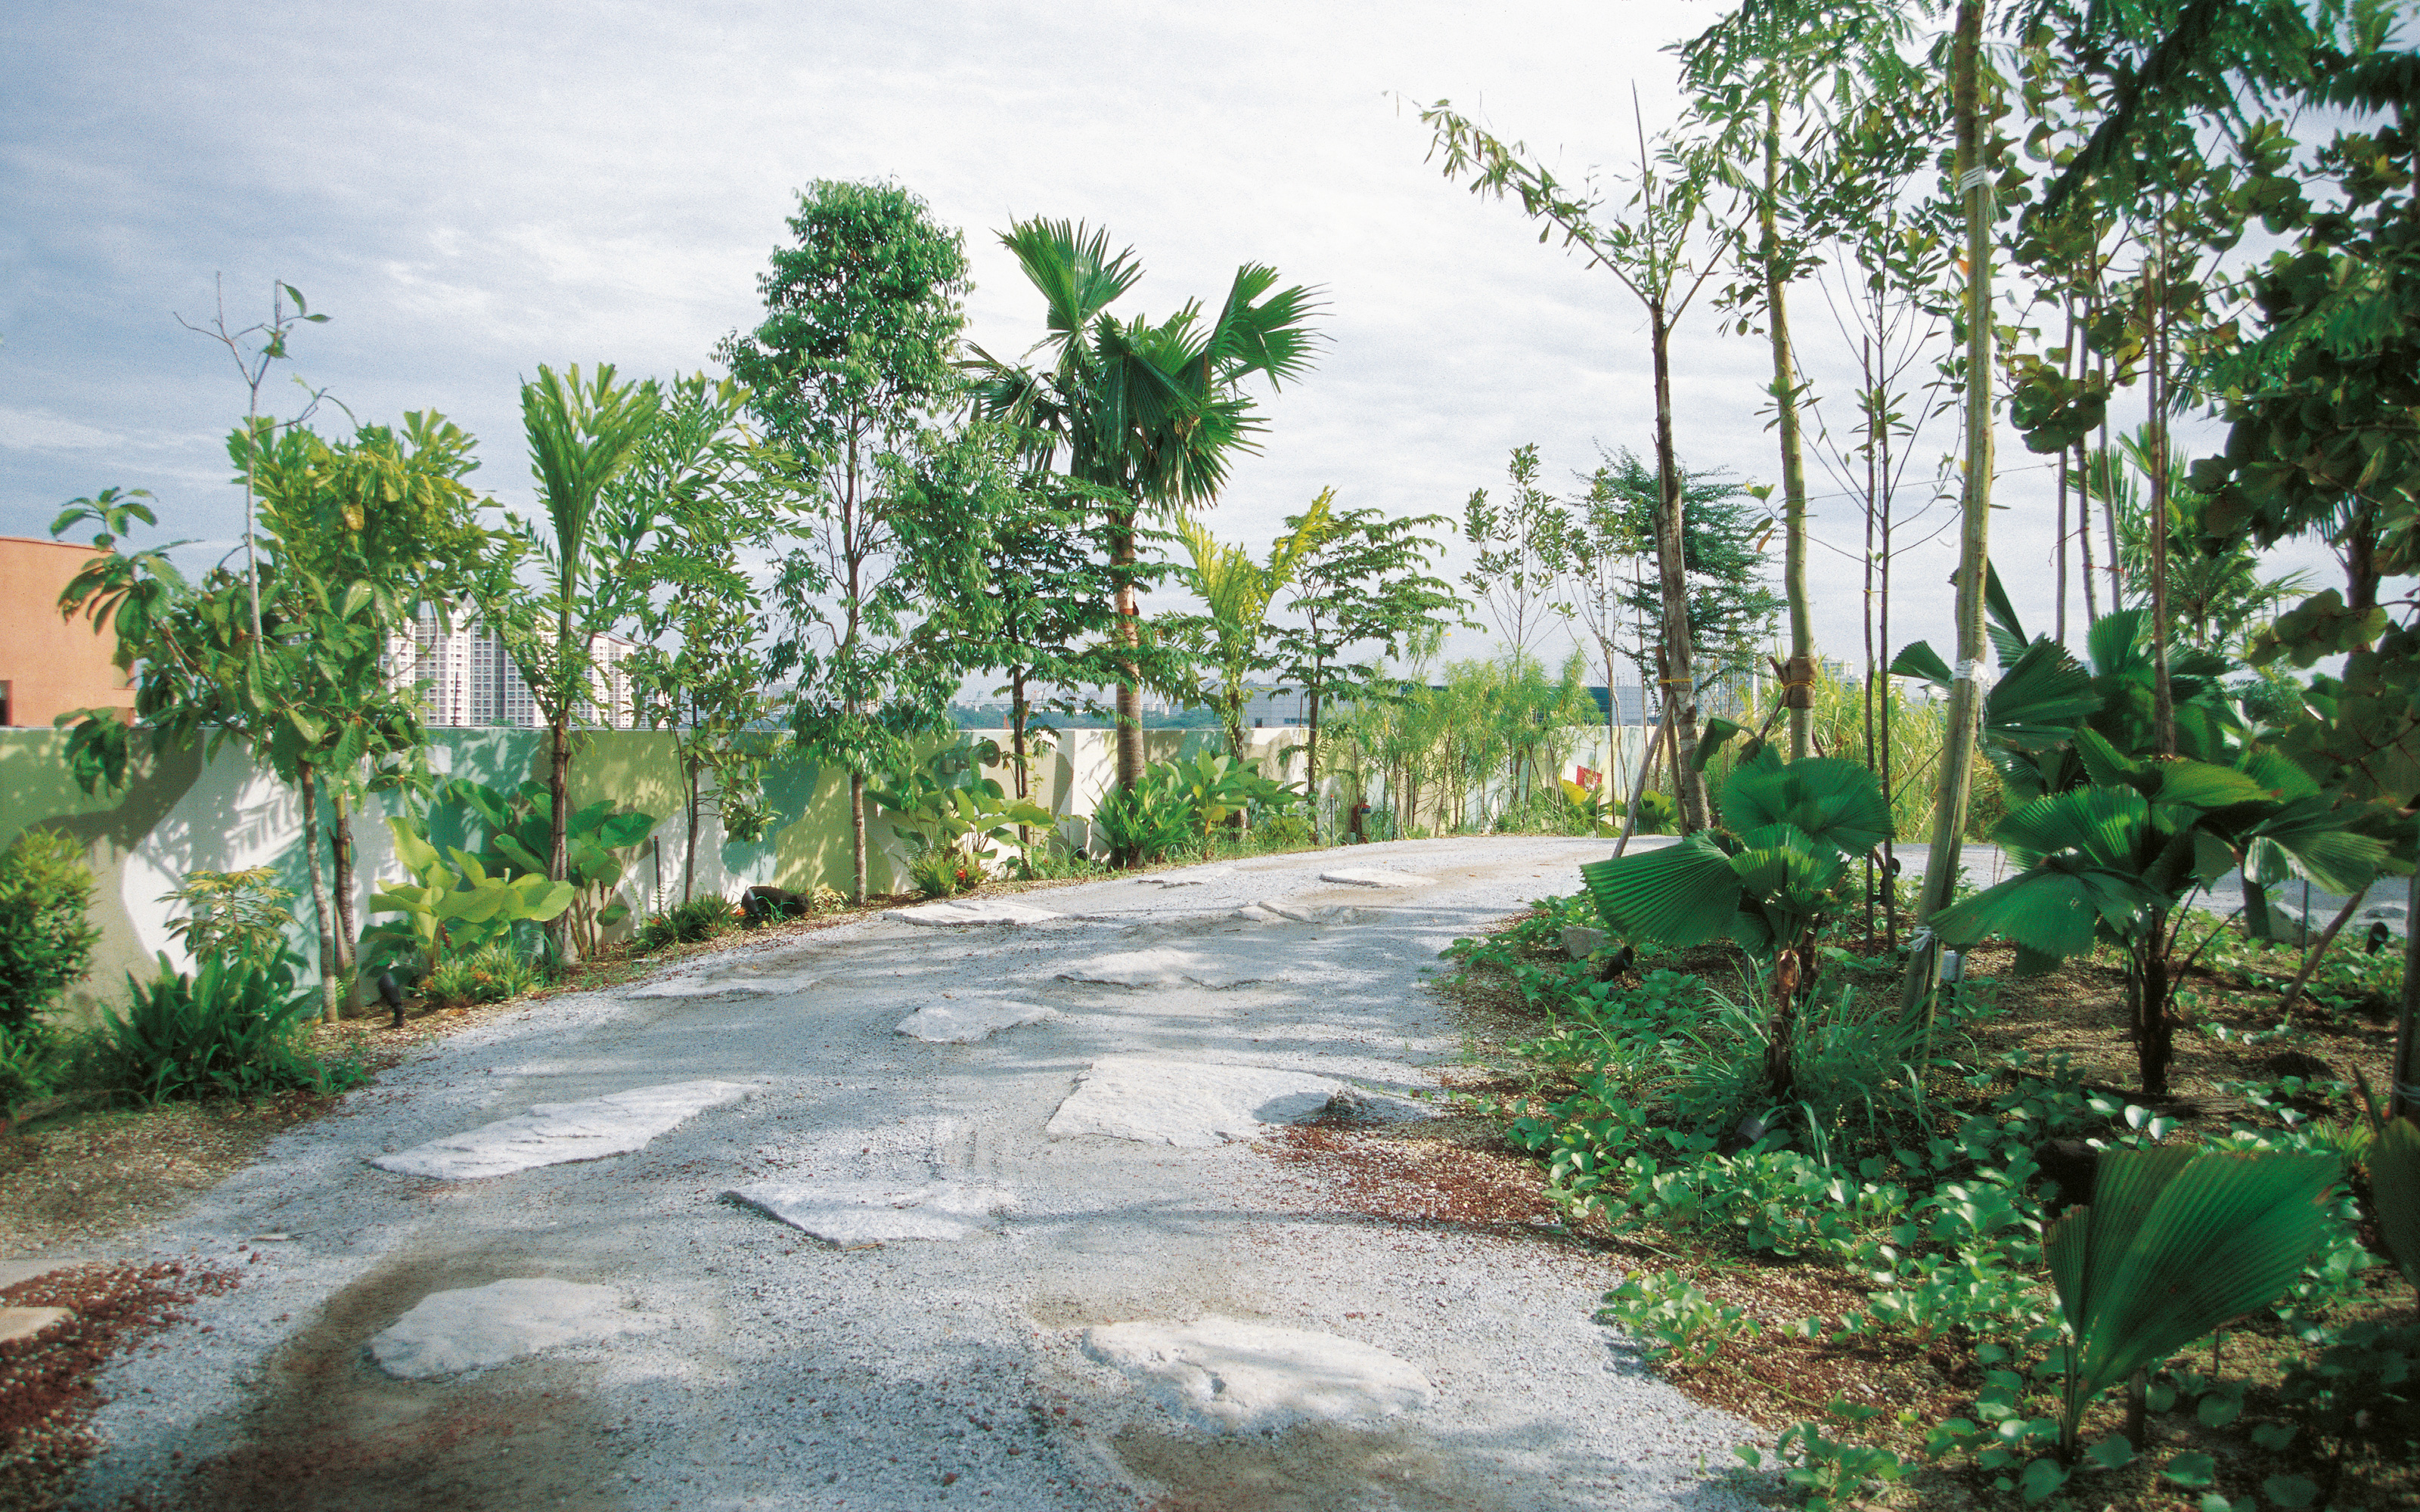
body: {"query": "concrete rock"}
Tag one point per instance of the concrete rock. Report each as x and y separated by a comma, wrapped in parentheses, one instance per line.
(1372, 876)
(24, 1322)
(1238, 1378)
(451, 1331)
(1168, 965)
(706, 987)
(965, 1018)
(1192, 876)
(1187, 1103)
(959, 911)
(848, 1213)
(550, 1133)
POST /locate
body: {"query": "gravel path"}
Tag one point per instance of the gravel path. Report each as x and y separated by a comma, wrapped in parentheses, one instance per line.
(762, 1368)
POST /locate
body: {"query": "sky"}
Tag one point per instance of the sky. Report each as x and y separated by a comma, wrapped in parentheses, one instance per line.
(470, 191)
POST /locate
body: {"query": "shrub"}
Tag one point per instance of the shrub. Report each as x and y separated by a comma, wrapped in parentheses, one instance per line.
(33, 1063)
(45, 945)
(240, 912)
(230, 1030)
(1282, 832)
(488, 975)
(937, 873)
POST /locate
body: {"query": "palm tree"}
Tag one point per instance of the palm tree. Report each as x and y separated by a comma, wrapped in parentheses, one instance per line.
(580, 435)
(1152, 413)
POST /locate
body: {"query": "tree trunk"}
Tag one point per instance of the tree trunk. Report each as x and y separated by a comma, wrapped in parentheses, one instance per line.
(558, 851)
(689, 857)
(2164, 704)
(1680, 683)
(340, 880)
(319, 911)
(1016, 755)
(1962, 717)
(1129, 611)
(1311, 757)
(1796, 689)
(2403, 1096)
(857, 836)
(2319, 949)
(2147, 1000)
(1637, 789)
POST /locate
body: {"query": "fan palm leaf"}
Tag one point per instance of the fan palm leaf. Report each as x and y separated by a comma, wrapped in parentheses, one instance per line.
(2176, 1244)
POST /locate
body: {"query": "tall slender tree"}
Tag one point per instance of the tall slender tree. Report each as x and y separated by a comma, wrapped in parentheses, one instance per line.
(851, 370)
(1664, 251)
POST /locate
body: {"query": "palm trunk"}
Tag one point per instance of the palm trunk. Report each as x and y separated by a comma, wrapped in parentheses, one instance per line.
(1680, 685)
(1962, 717)
(1129, 612)
(1797, 685)
(2147, 1000)
(1016, 752)
(319, 910)
(1311, 756)
(558, 853)
(340, 852)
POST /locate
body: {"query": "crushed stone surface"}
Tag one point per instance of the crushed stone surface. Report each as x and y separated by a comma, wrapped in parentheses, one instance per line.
(795, 1371)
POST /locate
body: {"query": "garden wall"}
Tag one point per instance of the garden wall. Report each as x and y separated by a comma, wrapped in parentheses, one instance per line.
(182, 813)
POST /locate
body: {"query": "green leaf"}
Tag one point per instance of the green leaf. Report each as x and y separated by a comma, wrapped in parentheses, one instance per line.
(2115, 1451)
(2040, 1479)
(1838, 803)
(2191, 1468)
(1678, 895)
(1919, 661)
(2175, 1244)
(2292, 1493)
(2395, 1187)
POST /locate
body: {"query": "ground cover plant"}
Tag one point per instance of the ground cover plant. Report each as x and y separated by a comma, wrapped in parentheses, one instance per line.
(1883, 1268)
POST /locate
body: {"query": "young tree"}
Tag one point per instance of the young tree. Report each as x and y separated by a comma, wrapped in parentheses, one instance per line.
(1365, 583)
(1660, 257)
(1730, 608)
(1238, 593)
(253, 359)
(712, 691)
(1154, 414)
(362, 532)
(1514, 567)
(589, 547)
(848, 372)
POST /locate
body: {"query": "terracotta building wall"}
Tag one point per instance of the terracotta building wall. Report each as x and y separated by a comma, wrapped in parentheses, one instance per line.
(51, 666)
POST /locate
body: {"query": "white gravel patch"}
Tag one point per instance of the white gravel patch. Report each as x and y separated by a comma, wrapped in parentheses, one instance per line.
(935, 1361)
(1169, 965)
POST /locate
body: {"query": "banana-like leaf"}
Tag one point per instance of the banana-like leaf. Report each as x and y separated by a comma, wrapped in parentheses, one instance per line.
(1837, 804)
(2177, 1243)
(511, 849)
(2394, 1183)
(412, 850)
(1678, 895)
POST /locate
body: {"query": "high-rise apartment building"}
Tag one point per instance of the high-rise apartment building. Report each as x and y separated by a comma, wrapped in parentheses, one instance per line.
(470, 680)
